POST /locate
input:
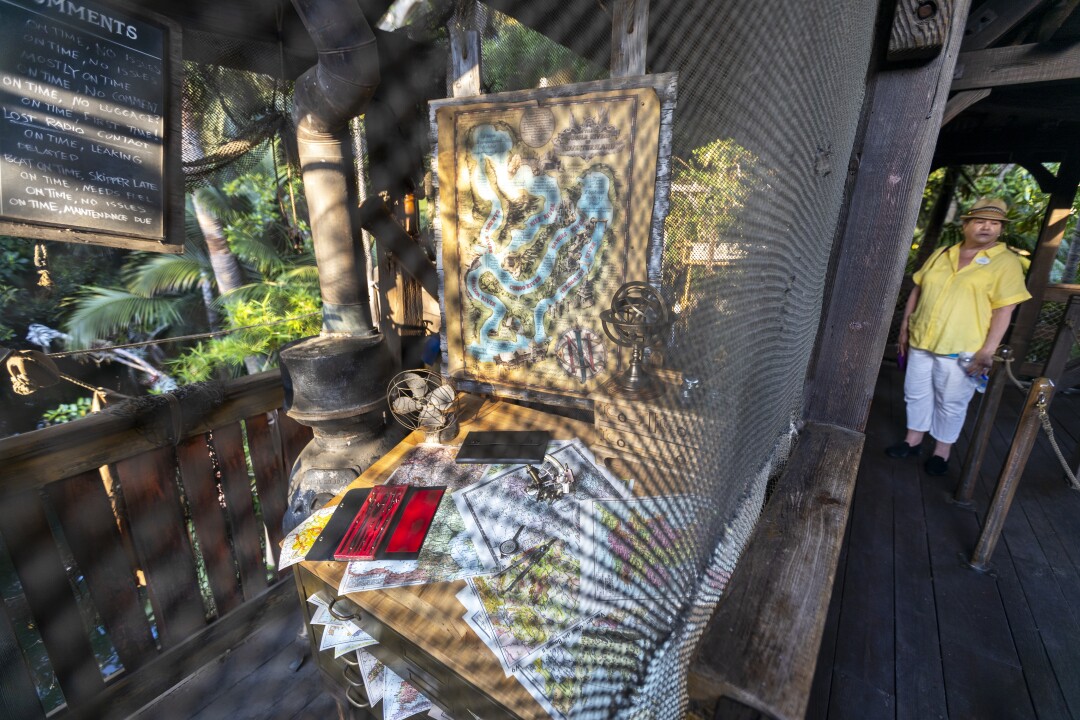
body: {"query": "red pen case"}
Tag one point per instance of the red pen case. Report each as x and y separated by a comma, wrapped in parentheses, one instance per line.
(391, 523)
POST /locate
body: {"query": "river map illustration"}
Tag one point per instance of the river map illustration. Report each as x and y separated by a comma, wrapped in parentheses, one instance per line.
(545, 211)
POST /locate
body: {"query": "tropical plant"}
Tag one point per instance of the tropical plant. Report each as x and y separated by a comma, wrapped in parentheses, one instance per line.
(66, 412)
(170, 295)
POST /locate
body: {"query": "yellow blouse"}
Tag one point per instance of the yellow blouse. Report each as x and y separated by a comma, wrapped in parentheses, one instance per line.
(955, 306)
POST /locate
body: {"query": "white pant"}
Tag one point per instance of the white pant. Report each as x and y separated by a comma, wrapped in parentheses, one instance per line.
(937, 392)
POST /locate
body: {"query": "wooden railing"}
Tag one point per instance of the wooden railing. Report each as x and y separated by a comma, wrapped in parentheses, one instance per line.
(138, 502)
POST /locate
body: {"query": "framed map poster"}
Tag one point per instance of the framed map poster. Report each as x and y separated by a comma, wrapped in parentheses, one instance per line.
(546, 207)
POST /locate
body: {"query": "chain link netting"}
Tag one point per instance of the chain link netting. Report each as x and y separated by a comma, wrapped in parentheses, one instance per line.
(760, 151)
(758, 168)
(232, 118)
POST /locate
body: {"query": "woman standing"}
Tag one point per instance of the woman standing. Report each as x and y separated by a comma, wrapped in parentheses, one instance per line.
(962, 302)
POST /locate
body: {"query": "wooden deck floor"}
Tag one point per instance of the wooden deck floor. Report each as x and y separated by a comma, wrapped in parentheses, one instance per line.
(912, 631)
(255, 681)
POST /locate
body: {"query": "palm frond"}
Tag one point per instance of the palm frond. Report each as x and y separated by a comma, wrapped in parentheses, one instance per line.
(103, 313)
(165, 274)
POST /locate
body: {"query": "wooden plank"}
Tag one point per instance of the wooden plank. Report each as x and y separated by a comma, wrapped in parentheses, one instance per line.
(464, 61)
(865, 646)
(1017, 65)
(1021, 547)
(214, 681)
(201, 490)
(856, 699)
(239, 508)
(39, 457)
(629, 37)
(993, 19)
(148, 482)
(961, 101)
(132, 692)
(919, 30)
(1058, 209)
(18, 697)
(762, 641)
(904, 117)
(86, 516)
(920, 684)
(1054, 18)
(271, 480)
(294, 438)
(983, 687)
(48, 592)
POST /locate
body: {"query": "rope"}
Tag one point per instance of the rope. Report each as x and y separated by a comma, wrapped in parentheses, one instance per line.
(1044, 418)
(197, 336)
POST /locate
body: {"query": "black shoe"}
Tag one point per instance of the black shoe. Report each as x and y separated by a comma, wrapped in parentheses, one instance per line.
(902, 450)
(937, 465)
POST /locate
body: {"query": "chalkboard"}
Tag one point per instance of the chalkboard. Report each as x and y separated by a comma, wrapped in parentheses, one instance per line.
(88, 147)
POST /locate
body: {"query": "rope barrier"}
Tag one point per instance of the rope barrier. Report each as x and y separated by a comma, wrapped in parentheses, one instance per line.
(197, 336)
(1044, 419)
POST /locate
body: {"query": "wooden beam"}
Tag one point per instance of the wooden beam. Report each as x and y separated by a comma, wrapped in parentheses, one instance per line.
(629, 37)
(1058, 209)
(1046, 179)
(919, 29)
(1060, 292)
(36, 458)
(464, 61)
(761, 644)
(991, 20)
(1054, 18)
(1063, 342)
(904, 116)
(961, 101)
(1017, 65)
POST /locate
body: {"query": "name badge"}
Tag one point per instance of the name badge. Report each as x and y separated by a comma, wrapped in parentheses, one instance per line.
(982, 260)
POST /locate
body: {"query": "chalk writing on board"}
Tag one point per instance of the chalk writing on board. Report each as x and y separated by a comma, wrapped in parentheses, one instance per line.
(83, 102)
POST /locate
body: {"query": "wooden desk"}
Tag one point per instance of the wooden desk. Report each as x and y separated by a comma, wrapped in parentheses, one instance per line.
(422, 636)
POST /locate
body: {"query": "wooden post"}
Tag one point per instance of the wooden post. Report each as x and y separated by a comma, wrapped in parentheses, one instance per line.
(1042, 390)
(984, 424)
(869, 255)
(1053, 230)
(464, 62)
(629, 37)
(1063, 341)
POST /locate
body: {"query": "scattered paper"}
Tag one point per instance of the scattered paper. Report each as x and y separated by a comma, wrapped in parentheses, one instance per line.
(402, 700)
(297, 543)
(374, 674)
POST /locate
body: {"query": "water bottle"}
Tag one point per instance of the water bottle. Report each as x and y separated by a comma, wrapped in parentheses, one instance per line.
(979, 381)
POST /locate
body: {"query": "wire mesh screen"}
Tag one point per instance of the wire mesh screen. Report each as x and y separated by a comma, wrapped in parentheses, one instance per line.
(231, 116)
(768, 101)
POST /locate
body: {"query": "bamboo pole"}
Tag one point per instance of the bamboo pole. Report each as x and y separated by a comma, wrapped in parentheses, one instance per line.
(1042, 390)
(984, 424)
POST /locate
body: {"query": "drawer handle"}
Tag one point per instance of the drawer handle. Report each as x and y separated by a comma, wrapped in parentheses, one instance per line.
(362, 704)
(621, 443)
(358, 682)
(622, 417)
(350, 659)
(339, 616)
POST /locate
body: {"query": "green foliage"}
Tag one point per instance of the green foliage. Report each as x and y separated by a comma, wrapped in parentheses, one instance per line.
(66, 412)
(70, 267)
(172, 295)
(707, 195)
(1027, 206)
(516, 58)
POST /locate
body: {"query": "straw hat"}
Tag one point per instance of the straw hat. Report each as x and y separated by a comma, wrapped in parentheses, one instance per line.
(988, 209)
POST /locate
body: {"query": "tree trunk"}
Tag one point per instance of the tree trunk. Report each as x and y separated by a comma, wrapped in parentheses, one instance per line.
(227, 271)
(938, 213)
(1072, 260)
